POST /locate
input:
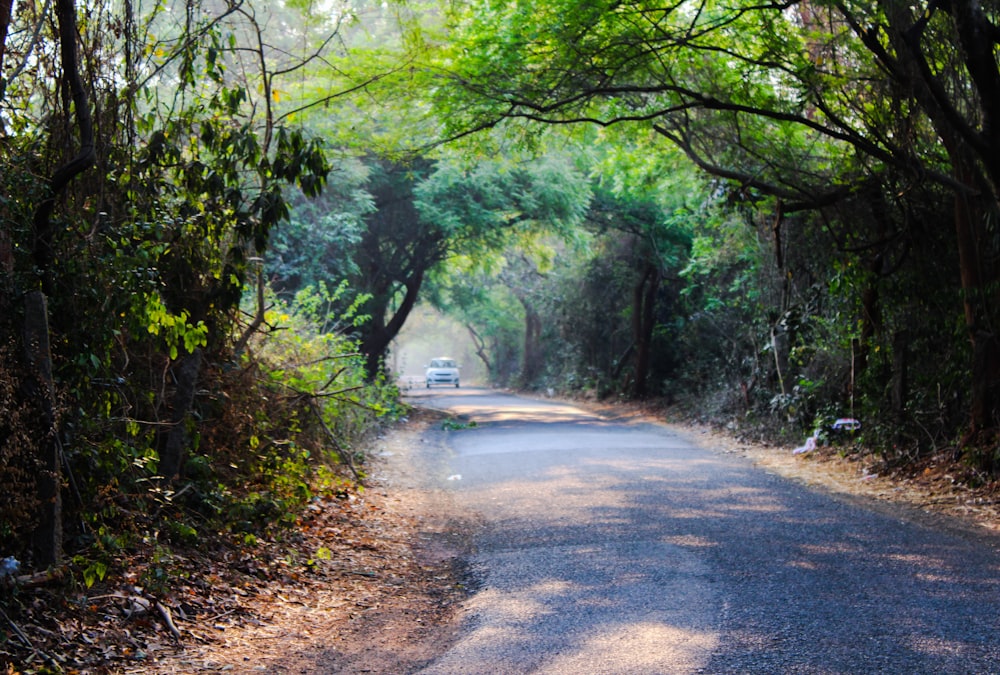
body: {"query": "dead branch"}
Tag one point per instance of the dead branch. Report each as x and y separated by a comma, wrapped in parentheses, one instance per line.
(168, 619)
(258, 319)
(345, 457)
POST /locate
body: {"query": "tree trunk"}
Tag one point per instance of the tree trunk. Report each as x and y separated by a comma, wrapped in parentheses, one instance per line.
(173, 442)
(900, 376)
(975, 165)
(871, 301)
(979, 293)
(480, 345)
(643, 322)
(380, 334)
(5, 16)
(47, 537)
(532, 364)
(85, 157)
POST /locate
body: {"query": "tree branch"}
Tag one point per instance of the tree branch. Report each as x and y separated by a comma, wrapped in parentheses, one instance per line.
(66, 12)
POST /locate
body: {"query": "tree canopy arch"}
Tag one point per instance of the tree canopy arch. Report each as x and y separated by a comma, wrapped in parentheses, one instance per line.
(807, 104)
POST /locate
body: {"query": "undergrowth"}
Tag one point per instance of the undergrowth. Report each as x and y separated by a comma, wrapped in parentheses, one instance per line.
(275, 427)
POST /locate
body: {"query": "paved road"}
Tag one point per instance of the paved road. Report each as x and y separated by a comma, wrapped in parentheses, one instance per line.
(622, 548)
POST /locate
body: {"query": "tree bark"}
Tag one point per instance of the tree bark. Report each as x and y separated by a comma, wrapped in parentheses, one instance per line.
(979, 293)
(85, 157)
(380, 334)
(480, 345)
(975, 165)
(5, 17)
(173, 442)
(47, 537)
(531, 367)
(643, 322)
(900, 375)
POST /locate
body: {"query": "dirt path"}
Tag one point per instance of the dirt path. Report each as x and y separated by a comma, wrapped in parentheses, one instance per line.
(386, 602)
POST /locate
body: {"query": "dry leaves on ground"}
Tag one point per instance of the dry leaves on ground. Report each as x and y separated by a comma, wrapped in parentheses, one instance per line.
(368, 583)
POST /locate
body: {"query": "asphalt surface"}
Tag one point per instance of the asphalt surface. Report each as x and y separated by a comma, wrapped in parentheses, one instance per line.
(621, 548)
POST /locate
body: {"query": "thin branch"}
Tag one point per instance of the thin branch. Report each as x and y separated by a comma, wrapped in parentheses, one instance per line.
(344, 456)
(258, 319)
(168, 619)
(85, 157)
(192, 40)
(332, 97)
(27, 55)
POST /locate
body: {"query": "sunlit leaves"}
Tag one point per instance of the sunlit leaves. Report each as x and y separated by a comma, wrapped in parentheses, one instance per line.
(175, 330)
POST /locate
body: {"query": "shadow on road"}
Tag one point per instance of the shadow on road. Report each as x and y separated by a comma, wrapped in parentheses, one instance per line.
(623, 549)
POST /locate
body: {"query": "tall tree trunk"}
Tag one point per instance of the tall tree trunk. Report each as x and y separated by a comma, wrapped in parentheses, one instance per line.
(980, 279)
(379, 334)
(979, 292)
(975, 165)
(6, 7)
(47, 537)
(84, 158)
(531, 366)
(871, 301)
(900, 375)
(173, 441)
(643, 322)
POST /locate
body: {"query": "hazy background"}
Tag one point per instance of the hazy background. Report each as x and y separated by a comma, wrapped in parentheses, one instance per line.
(427, 335)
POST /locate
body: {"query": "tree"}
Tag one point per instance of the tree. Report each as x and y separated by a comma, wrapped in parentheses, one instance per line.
(425, 214)
(811, 105)
(659, 246)
(143, 164)
(317, 242)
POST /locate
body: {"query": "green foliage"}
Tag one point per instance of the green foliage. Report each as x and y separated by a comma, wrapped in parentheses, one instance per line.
(90, 571)
(308, 407)
(317, 243)
(451, 424)
(150, 254)
(175, 330)
(811, 278)
(819, 299)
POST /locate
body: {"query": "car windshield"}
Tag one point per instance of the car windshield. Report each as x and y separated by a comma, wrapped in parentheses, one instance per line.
(442, 363)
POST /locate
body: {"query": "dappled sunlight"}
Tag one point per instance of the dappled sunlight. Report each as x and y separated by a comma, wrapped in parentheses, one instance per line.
(603, 491)
(489, 407)
(772, 507)
(914, 559)
(548, 413)
(559, 495)
(653, 469)
(726, 501)
(690, 541)
(696, 514)
(525, 606)
(643, 646)
(612, 607)
(815, 557)
(934, 570)
(618, 548)
(804, 564)
(831, 548)
(935, 646)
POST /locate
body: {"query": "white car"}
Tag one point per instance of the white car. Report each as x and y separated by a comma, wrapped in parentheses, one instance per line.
(442, 371)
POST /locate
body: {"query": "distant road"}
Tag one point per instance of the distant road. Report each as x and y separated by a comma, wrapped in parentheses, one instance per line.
(621, 548)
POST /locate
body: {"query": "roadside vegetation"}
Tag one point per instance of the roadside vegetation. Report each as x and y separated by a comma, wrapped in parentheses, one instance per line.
(215, 220)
